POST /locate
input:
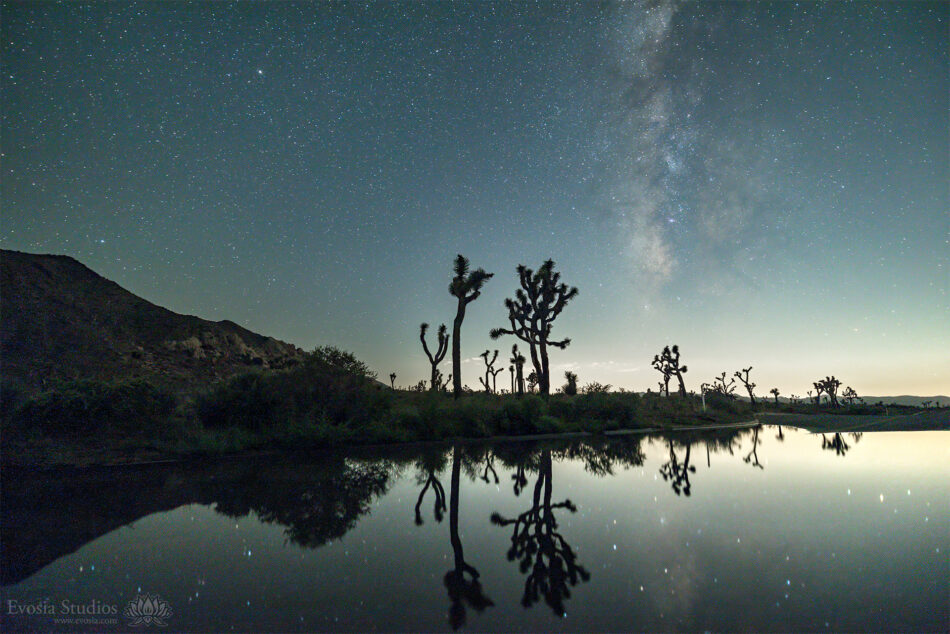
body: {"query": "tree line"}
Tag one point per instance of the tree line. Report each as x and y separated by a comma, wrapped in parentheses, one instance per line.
(540, 298)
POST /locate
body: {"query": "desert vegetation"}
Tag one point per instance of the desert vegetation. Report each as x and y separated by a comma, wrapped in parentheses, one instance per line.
(329, 397)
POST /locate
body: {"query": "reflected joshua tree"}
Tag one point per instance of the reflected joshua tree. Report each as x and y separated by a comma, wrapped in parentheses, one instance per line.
(462, 581)
(676, 472)
(542, 552)
(429, 465)
(836, 444)
(753, 456)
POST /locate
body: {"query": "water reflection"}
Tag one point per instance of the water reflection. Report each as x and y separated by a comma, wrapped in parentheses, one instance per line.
(753, 455)
(543, 552)
(676, 471)
(428, 466)
(671, 546)
(315, 506)
(462, 581)
(837, 443)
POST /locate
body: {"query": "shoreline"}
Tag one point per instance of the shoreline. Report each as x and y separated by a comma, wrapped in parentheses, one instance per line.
(938, 420)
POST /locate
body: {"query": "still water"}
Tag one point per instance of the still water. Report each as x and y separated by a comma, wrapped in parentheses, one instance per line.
(762, 528)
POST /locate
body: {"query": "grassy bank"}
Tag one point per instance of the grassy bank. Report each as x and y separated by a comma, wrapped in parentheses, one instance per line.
(329, 400)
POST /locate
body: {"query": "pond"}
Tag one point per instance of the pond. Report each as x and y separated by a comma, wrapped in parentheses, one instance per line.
(762, 528)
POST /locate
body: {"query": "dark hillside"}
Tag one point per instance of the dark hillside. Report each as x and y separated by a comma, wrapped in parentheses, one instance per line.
(61, 320)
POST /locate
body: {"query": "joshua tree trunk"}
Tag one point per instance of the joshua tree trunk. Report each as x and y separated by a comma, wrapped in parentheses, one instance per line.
(457, 349)
(544, 379)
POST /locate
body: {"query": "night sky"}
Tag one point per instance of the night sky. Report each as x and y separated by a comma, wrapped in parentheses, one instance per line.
(763, 184)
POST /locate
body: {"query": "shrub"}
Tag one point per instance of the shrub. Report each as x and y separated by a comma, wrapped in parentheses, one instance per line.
(331, 386)
(83, 407)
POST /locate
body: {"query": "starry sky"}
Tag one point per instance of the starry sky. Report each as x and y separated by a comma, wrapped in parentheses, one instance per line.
(764, 184)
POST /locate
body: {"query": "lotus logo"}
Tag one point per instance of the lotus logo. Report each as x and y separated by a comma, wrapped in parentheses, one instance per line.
(147, 609)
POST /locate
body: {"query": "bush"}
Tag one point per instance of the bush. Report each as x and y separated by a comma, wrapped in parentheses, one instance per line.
(83, 407)
(523, 415)
(331, 386)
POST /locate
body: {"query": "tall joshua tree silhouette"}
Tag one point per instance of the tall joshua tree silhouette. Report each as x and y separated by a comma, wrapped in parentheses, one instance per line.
(668, 364)
(774, 392)
(749, 385)
(532, 312)
(392, 380)
(849, 395)
(518, 360)
(434, 359)
(466, 287)
(490, 371)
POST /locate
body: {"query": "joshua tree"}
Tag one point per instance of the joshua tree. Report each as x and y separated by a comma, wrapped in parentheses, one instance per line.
(829, 385)
(531, 314)
(442, 382)
(511, 369)
(668, 364)
(532, 381)
(570, 388)
(745, 381)
(491, 371)
(794, 398)
(392, 380)
(436, 359)
(664, 383)
(774, 392)
(466, 286)
(849, 395)
(518, 360)
(719, 385)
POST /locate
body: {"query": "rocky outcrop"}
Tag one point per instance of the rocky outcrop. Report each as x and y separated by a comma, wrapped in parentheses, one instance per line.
(61, 320)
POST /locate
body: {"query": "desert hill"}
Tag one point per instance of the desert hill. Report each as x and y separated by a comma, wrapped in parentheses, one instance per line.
(61, 320)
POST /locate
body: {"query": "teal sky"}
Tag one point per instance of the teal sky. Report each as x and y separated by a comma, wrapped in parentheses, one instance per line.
(763, 184)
